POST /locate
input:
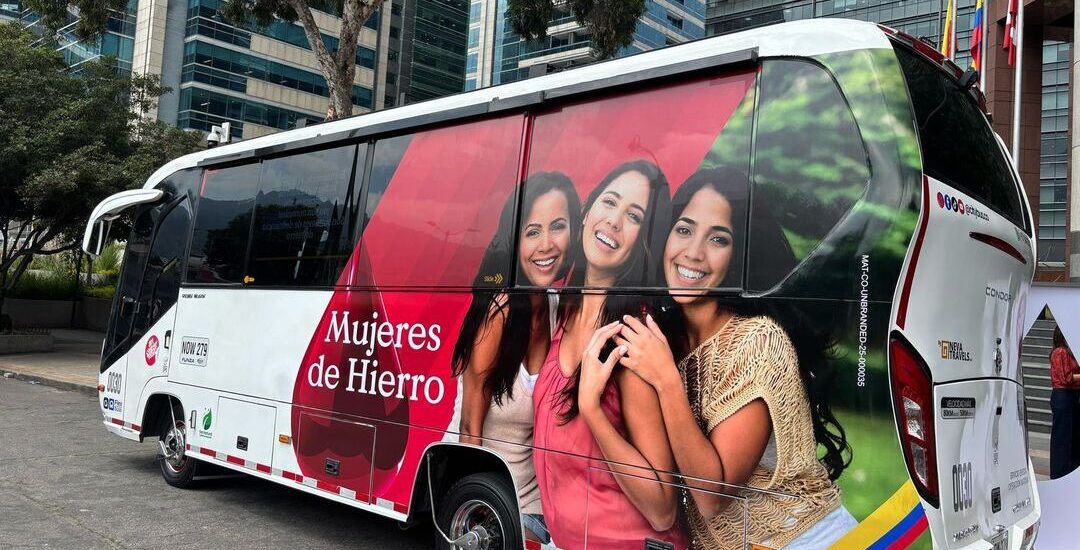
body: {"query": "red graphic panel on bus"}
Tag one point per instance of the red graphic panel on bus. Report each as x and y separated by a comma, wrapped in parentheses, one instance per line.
(386, 355)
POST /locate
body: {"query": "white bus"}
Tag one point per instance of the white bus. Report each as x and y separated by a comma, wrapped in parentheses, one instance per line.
(761, 290)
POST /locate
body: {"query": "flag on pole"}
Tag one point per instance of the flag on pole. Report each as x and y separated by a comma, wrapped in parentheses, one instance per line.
(1008, 42)
(948, 35)
(977, 36)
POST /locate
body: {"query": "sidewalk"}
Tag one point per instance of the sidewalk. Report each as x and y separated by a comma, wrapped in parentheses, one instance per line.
(73, 365)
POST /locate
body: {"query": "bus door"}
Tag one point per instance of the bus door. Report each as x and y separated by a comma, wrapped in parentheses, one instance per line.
(139, 331)
(153, 300)
(116, 344)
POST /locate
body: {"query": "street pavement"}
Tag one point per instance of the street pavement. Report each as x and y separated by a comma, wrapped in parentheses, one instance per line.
(66, 483)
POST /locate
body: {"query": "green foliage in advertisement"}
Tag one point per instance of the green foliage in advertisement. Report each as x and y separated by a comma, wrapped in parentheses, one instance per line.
(836, 163)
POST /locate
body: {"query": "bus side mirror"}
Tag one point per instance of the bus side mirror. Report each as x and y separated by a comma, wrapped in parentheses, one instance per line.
(97, 237)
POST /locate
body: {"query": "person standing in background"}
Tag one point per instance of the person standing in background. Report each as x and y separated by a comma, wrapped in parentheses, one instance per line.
(1065, 380)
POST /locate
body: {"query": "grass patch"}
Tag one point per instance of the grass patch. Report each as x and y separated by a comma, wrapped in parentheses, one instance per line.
(100, 292)
(877, 467)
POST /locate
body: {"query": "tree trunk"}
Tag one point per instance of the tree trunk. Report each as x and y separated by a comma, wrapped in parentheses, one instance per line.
(340, 97)
(339, 68)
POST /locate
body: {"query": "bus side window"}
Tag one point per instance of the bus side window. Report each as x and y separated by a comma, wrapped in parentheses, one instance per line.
(660, 175)
(305, 218)
(958, 145)
(219, 239)
(439, 203)
(810, 167)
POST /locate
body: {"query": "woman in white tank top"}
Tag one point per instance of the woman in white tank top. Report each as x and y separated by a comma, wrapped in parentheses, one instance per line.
(505, 336)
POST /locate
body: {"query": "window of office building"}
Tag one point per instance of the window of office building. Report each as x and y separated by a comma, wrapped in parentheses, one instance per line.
(1054, 153)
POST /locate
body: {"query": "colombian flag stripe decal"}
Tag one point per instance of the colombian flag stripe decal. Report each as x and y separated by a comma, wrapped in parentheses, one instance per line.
(904, 533)
(894, 525)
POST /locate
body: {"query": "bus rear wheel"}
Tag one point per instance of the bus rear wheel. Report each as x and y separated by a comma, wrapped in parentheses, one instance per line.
(176, 467)
(485, 504)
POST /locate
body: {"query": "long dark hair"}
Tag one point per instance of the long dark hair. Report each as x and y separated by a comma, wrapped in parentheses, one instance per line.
(1059, 339)
(813, 346)
(641, 269)
(516, 308)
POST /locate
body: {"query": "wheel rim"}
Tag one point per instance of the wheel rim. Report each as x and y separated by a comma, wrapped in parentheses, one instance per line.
(477, 513)
(173, 447)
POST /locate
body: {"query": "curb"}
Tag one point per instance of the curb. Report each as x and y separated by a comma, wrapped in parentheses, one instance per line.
(51, 382)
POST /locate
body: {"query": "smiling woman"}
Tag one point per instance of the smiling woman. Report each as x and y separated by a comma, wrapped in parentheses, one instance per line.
(702, 251)
(504, 336)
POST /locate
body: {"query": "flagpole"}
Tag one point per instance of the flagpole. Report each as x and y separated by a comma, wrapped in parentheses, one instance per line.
(941, 18)
(955, 20)
(982, 44)
(1019, 45)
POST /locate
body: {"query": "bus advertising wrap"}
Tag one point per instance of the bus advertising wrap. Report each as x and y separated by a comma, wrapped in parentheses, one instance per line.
(761, 300)
(621, 327)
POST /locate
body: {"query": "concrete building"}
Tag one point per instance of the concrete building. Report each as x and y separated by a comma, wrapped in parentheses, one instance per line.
(1048, 66)
(497, 55)
(264, 80)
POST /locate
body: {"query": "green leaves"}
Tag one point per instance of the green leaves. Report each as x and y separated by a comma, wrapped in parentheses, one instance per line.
(69, 141)
(610, 23)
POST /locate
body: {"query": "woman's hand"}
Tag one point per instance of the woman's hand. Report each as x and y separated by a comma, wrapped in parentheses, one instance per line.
(595, 372)
(648, 353)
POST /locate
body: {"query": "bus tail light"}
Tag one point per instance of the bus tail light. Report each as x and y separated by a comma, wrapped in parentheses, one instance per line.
(913, 397)
(1029, 536)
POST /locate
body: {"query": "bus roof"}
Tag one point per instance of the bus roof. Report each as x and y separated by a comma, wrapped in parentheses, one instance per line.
(798, 38)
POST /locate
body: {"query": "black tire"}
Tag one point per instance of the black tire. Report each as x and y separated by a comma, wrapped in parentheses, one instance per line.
(493, 504)
(178, 472)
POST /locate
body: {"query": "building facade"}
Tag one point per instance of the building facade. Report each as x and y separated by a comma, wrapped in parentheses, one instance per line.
(117, 41)
(496, 54)
(263, 80)
(427, 45)
(1047, 69)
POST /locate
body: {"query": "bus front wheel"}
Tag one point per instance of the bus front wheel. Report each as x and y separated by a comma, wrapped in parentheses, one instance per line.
(483, 503)
(176, 467)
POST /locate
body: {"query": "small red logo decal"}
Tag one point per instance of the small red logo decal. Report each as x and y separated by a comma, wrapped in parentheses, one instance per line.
(151, 351)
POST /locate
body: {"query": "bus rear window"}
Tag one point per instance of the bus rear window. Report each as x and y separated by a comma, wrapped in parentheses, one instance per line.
(958, 146)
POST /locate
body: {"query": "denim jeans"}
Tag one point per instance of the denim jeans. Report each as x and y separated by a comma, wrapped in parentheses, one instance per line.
(535, 524)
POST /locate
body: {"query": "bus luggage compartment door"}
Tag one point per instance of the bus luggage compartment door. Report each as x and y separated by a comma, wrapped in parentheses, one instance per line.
(339, 452)
(243, 429)
(983, 472)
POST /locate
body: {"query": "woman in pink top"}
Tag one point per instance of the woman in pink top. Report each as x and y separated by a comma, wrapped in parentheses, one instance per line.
(582, 438)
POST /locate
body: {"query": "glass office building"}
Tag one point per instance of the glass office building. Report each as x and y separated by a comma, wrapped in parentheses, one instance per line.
(1054, 152)
(117, 41)
(427, 42)
(260, 78)
(496, 54)
(266, 79)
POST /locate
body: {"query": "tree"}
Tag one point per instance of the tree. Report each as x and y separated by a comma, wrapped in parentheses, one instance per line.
(610, 23)
(338, 66)
(68, 142)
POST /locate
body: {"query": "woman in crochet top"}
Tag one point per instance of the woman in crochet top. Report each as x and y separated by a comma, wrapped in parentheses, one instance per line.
(737, 407)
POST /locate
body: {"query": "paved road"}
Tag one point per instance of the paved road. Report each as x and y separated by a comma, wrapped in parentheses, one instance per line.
(66, 483)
